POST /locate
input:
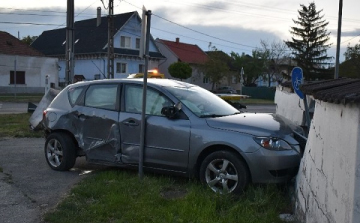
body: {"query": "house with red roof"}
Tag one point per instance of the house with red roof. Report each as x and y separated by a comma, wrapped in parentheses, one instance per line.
(24, 69)
(176, 51)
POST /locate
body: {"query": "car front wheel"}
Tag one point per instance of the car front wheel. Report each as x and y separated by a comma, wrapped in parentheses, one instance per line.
(60, 151)
(224, 172)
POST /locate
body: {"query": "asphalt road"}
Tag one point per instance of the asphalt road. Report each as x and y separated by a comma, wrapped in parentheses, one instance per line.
(260, 108)
(13, 108)
(28, 187)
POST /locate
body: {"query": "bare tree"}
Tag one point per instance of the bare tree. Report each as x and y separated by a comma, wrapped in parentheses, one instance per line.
(275, 55)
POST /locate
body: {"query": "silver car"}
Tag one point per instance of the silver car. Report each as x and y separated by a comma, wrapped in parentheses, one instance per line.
(189, 131)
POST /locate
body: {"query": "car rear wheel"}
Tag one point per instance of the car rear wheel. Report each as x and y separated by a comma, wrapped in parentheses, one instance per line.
(60, 151)
(224, 172)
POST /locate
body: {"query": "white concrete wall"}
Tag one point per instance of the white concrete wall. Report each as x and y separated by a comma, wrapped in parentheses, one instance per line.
(289, 105)
(36, 69)
(328, 182)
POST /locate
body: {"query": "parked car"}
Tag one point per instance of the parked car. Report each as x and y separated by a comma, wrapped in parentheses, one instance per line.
(225, 90)
(189, 131)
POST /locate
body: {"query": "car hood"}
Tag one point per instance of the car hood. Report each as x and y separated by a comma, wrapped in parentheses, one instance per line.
(257, 124)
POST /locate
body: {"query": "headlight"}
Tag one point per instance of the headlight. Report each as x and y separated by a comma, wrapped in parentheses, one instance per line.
(272, 143)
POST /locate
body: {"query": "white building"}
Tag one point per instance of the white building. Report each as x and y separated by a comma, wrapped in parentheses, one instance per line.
(31, 67)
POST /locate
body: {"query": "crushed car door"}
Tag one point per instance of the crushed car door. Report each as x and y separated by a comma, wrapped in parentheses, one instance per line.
(166, 141)
(99, 122)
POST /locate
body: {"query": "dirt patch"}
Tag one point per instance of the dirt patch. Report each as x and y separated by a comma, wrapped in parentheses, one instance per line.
(173, 193)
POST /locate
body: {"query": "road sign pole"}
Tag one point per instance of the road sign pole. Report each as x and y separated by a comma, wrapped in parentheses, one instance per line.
(143, 116)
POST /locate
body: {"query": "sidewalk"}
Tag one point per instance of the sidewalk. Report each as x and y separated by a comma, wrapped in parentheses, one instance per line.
(13, 107)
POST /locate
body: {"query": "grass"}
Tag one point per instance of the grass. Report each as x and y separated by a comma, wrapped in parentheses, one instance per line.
(17, 125)
(35, 98)
(119, 196)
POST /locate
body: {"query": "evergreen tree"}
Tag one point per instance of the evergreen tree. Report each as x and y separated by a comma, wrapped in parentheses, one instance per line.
(309, 43)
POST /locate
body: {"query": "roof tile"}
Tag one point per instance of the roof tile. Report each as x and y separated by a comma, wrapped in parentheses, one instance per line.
(11, 45)
(342, 90)
(186, 52)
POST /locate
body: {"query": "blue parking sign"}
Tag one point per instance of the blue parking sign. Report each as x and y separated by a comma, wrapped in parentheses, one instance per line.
(296, 80)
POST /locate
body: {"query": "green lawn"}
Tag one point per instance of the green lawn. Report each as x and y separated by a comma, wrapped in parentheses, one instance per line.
(35, 98)
(17, 125)
(117, 195)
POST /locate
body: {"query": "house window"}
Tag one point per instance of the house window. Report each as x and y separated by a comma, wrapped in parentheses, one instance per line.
(20, 77)
(137, 46)
(121, 68)
(141, 68)
(205, 80)
(234, 79)
(125, 42)
(96, 76)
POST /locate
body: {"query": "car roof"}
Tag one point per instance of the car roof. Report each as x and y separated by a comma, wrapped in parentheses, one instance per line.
(150, 81)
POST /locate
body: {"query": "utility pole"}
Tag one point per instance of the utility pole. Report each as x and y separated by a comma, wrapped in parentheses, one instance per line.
(336, 75)
(110, 64)
(69, 47)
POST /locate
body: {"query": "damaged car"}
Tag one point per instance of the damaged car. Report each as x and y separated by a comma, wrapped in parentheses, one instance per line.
(189, 132)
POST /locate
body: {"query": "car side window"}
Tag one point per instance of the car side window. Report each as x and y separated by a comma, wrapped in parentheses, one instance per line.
(74, 94)
(102, 96)
(154, 103)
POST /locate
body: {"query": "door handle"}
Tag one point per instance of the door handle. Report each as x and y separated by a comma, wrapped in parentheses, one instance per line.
(131, 123)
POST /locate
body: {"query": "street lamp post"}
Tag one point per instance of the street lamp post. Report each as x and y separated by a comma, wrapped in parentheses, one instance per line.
(241, 80)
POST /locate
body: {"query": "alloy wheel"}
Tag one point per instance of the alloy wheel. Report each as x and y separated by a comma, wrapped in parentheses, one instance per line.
(221, 176)
(54, 152)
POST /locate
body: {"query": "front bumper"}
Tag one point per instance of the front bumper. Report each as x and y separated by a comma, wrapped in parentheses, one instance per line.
(267, 166)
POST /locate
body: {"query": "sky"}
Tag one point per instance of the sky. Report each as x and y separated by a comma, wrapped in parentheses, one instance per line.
(229, 25)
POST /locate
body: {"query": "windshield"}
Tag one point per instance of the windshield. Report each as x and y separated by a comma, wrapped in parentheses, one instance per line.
(202, 102)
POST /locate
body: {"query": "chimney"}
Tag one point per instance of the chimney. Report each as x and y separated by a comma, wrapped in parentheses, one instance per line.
(177, 39)
(98, 19)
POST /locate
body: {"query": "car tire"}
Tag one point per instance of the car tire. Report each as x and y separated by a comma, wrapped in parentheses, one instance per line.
(60, 151)
(224, 172)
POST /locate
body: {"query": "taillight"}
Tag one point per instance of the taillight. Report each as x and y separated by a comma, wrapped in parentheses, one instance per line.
(44, 114)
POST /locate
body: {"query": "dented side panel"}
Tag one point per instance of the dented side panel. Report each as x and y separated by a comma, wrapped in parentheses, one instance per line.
(98, 133)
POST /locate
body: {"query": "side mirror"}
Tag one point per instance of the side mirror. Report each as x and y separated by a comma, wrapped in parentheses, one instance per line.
(171, 112)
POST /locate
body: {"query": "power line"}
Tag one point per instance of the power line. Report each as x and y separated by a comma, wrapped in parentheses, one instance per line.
(350, 39)
(31, 23)
(34, 10)
(228, 41)
(218, 44)
(254, 6)
(202, 33)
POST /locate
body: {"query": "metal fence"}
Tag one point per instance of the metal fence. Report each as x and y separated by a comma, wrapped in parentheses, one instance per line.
(260, 92)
